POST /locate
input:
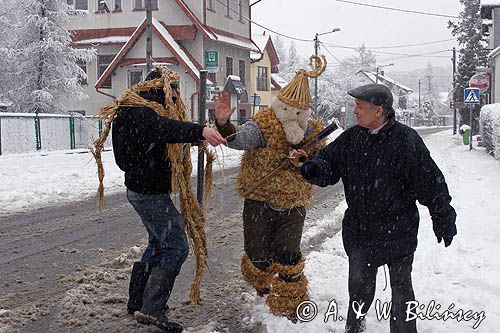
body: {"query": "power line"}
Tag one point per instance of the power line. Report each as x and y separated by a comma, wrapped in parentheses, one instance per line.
(427, 55)
(397, 9)
(380, 52)
(260, 25)
(334, 57)
(396, 46)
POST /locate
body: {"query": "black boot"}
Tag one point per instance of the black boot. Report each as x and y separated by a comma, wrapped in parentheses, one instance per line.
(156, 294)
(357, 326)
(138, 280)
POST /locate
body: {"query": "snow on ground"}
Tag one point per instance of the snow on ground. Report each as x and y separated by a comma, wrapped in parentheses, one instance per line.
(32, 180)
(462, 276)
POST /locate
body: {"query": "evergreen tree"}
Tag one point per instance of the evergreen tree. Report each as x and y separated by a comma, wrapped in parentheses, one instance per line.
(471, 54)
(42, 59)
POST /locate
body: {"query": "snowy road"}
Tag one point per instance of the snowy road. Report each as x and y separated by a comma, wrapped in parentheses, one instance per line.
(66, 267)
(50, 254)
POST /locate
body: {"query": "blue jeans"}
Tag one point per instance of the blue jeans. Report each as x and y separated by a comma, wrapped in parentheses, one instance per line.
(167, 244)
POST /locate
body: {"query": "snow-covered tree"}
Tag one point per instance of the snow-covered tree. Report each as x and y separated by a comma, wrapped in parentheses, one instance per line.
(471, 54)
(279, 45)
(338, 79)
(44, 62)
(428, 109)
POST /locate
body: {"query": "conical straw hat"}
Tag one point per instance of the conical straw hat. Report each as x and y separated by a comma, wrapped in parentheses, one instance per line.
(296, 92)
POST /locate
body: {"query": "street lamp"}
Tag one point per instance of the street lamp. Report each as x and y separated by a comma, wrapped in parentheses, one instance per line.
(316, 46)
(379, 67)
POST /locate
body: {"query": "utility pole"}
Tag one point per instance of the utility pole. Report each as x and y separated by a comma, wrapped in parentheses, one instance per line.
(454, 61)
(316, 47)
(149, 36)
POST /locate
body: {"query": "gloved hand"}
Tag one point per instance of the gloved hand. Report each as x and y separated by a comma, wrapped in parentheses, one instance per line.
(447, 240)
(309, 170)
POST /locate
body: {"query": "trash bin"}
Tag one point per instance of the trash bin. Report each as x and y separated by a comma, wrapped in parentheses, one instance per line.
(466, 137)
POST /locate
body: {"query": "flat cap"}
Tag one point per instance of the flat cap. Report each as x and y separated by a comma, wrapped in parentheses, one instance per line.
(377, 94)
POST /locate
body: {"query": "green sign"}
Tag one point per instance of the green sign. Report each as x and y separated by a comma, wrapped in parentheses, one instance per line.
(212, 61)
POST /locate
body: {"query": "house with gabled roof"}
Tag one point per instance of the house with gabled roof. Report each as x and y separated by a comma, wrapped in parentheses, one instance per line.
(184, 32)
(400, 92)
(265, 81)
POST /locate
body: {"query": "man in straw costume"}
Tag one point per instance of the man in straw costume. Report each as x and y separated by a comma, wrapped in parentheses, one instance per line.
(274, 212)
(148, 122)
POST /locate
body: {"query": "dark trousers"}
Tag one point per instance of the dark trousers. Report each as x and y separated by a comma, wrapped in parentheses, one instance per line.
(362, 278)
(167, 241)
(272, 234)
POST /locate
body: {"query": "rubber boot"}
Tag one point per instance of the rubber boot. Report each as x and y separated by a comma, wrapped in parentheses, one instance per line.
(157, 291)
(138, 280)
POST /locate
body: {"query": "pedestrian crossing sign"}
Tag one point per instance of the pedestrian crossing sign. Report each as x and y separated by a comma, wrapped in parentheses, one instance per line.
(471, 96)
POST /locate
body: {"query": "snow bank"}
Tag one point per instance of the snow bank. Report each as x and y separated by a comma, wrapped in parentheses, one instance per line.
(489, 123)
(33, 180)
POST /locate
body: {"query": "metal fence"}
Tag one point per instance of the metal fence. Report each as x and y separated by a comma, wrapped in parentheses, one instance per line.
(27, 132)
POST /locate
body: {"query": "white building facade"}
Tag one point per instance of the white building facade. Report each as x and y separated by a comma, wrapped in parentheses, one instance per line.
(185, 34)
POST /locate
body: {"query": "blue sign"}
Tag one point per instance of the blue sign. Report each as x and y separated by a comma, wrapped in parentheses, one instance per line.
(472, 96)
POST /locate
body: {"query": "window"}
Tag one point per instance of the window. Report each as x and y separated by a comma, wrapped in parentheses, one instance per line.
(141, 4)
(262, 79)
(211, 5)
(229, 66)
(79, 4)
(228, 8)
(118, 5)
(82, 79)
(240, 10)
(134, 77)
(103, 62)
(242, 71)
(212, 77)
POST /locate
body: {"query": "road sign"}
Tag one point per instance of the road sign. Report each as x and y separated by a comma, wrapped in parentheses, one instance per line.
(212, 61)
(471, 96)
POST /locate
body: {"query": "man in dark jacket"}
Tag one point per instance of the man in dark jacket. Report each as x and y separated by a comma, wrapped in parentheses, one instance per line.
(385, 168)
(140, 136)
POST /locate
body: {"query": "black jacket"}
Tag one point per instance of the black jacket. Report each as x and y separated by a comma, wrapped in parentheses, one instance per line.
(383, 176)
(139, 137)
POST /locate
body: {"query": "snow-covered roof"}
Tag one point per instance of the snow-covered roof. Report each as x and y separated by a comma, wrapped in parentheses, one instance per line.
(105, 40)
(490, 3)
(246, 44)
(260, 41)
(373, 77)
(279, 80)
(175, 47)
(166, 39)
(255, 56)
(494, 53)
(234, 77)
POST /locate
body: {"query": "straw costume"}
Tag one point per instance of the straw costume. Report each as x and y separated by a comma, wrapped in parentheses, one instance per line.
(274, 213)
(151, 139)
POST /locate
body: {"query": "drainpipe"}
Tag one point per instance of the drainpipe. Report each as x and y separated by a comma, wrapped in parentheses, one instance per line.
(105, 94)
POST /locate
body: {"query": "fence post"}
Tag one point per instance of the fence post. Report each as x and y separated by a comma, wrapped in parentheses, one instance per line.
(38, 133)
(71, 132)
(100, 126)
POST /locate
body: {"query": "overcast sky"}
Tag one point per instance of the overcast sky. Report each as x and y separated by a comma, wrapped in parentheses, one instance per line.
(359, 24)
